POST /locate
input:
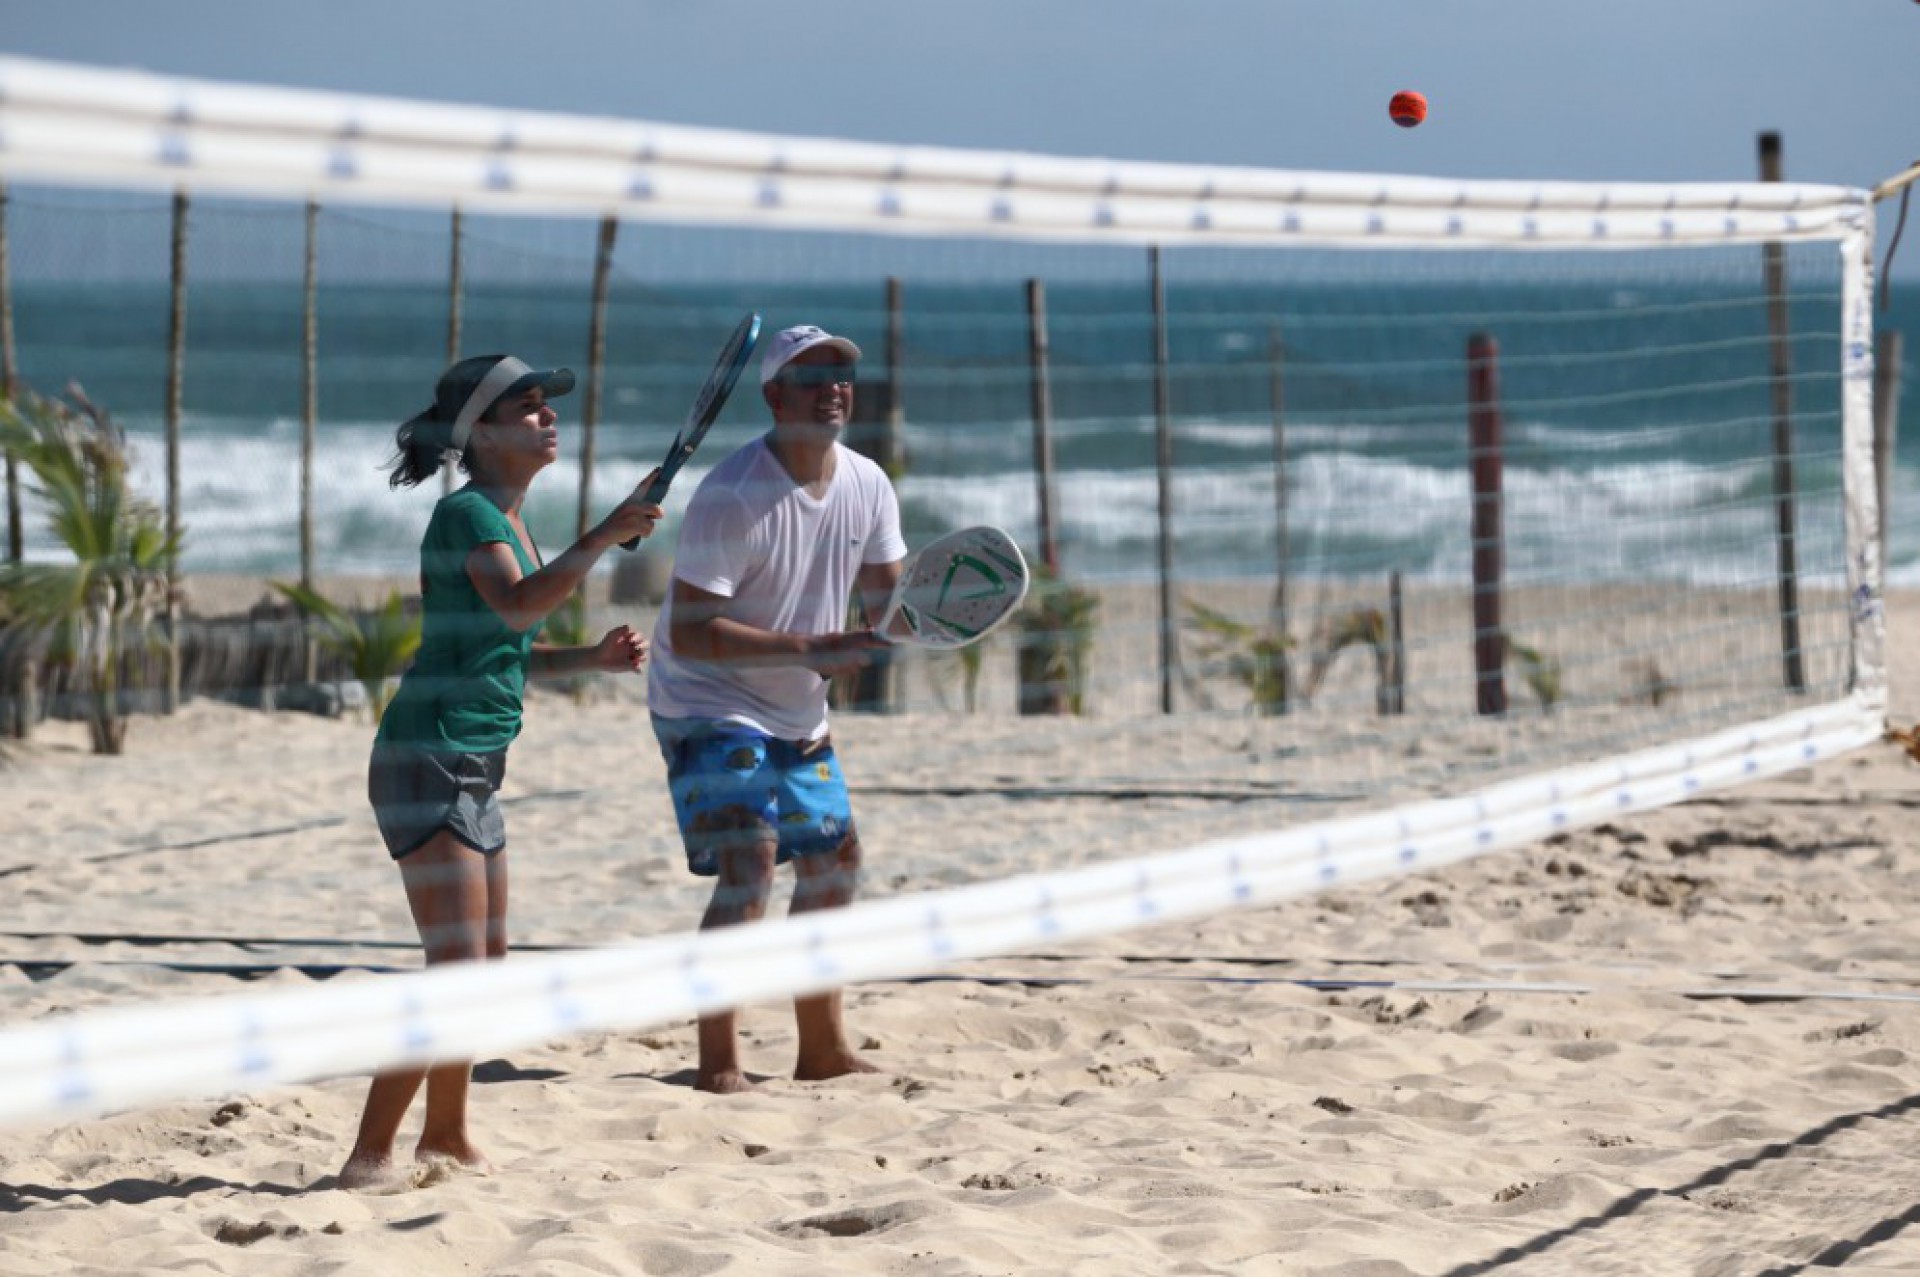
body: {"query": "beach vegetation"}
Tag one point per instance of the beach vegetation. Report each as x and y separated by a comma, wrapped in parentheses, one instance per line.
(1356, 627)
(1540, 671)
(1256, 656)
(376, 643)
(566, 626)
(960, 666)
(1648, 684)
(1056, 626)
(99, 620)
(971, 658)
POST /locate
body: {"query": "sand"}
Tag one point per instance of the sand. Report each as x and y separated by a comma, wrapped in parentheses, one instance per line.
(1684, 1043)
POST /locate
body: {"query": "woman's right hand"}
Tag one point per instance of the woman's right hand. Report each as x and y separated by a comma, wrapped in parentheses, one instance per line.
(635, 517)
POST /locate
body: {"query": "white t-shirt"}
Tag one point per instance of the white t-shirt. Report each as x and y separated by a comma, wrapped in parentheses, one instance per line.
(789, 562)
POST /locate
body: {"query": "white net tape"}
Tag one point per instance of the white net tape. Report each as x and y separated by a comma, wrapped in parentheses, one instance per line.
(62, 123)
(119, 1059)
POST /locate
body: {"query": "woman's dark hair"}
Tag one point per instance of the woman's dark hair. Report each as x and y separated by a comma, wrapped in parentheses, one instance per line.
(423, 441)
(420, 449)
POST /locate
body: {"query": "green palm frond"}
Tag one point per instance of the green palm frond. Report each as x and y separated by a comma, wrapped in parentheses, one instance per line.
(1254, 656)
(566, 625)
(1540, 671)
(104, 605)
(377, 645)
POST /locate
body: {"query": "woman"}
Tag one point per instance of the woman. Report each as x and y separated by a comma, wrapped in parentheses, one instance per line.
(441, 749)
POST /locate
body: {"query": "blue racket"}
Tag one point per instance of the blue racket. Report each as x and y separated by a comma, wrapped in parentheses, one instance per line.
(706, 409)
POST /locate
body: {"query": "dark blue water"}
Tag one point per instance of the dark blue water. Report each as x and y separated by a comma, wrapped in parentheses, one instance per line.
(1635, 388)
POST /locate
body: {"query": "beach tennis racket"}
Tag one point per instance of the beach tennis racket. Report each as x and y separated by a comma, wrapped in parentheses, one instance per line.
(706, 408)
(956, 590)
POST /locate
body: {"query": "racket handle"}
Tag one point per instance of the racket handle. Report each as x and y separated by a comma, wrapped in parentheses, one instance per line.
(654, 495)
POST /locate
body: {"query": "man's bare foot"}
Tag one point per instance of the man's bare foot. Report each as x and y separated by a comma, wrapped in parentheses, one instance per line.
(456, 1153)
(836, 1064)
(725, 1082)
(366, 1170)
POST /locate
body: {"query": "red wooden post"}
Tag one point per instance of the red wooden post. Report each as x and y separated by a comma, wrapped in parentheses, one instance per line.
(1483, 456)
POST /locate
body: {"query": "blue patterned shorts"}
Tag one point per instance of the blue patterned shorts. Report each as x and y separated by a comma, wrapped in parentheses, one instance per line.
(734, 786)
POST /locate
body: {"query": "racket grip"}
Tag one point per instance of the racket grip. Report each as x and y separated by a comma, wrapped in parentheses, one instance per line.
(654, 495)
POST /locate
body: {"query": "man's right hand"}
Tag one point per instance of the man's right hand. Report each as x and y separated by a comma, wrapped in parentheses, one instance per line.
(831, 655)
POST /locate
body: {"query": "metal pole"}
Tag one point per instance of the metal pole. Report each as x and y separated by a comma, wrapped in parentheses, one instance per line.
(1163, 465)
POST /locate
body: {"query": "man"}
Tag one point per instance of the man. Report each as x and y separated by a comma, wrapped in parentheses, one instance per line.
(776, 539)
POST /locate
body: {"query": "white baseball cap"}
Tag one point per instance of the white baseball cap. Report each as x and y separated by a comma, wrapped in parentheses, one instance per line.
(789, 343)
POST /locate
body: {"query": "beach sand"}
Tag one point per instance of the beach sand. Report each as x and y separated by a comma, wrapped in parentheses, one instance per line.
(1684, 1049)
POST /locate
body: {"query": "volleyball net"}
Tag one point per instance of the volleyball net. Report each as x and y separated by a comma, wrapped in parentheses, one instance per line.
(1386, 520)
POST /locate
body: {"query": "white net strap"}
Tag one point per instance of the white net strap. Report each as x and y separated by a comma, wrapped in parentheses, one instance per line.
(63, 123)
(123, 1058)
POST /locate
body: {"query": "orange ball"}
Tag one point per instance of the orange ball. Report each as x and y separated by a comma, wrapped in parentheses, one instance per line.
(1407, 108)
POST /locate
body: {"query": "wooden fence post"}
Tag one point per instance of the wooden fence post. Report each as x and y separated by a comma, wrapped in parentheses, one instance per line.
(176, 373)
(596, 370)
(1484, 458)
(1163, 466)
(309, 419)
(1774, 260)
(9, 387)
(455, 297)
(1282, 532)
(1886, 430)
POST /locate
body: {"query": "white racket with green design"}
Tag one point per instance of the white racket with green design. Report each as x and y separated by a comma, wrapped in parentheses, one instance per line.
(956, 590)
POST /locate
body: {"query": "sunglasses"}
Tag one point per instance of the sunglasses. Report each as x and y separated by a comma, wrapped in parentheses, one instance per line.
(816, 376)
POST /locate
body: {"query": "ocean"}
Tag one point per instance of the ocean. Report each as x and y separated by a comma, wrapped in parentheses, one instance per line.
(1635, 396)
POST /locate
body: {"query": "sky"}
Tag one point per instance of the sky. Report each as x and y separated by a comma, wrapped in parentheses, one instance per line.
(1655, 90)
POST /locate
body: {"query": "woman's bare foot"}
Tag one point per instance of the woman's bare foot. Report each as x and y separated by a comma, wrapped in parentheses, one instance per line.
(835, 1064)
(457, 1153)
(366, 1170)
(724, 1082)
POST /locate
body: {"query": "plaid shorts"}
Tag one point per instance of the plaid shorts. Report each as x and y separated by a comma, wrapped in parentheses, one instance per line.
(734, 786)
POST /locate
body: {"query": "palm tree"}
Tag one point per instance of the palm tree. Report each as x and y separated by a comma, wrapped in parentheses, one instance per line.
(102, 608)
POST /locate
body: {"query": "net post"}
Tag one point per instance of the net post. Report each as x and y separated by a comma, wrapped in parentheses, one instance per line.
(1780, 372)
(455, 283)
(1163, 458)
(1282, 534)
(1042, 400)
(1484, 460)
(1861, 481)
(176, 372)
